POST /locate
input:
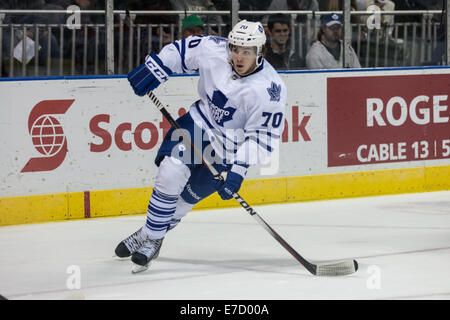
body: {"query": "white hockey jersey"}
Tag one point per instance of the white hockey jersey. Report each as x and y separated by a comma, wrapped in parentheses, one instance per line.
(243, 116)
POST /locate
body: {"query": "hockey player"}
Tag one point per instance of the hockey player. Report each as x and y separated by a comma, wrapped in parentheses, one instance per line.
(239, 118)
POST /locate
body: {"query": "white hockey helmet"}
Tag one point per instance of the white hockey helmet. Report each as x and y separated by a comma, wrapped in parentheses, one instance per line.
(248, 34)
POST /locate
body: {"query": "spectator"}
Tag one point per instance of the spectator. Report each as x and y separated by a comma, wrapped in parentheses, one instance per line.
(432, 5)
(88, 5)
(283, 5)
(199, 5)
(44, 36)
(311, 5)
(62, 3)
(329, 5)
(50, 18)
(409, 5)
(16, 4)
(253, 5)
(429, 4)
(161, 37)
(279, 53)
(336, 5)
(34, 5)
(192, 26)
(361, 5)
(32, 19)
(326, 52)
(91, 54)
(438, 56)
(161, 34)
(224, 5)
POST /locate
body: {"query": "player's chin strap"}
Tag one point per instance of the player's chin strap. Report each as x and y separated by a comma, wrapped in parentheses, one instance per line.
(334, 269)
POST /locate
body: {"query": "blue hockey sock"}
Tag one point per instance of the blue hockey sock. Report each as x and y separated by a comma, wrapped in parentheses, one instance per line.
(161, 209)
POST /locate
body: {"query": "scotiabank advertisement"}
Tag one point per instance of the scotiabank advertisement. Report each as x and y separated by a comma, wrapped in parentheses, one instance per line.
(96, 134)
(380, 119)
(73, 135)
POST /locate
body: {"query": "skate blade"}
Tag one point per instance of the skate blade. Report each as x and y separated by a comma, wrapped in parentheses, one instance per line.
(137, 268)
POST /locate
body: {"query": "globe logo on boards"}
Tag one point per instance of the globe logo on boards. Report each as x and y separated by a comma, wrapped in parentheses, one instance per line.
(47, 135)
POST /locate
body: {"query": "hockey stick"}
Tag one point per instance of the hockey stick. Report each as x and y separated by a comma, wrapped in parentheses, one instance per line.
(334, 269)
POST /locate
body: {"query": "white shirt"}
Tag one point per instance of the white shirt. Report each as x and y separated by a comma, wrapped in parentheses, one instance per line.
(243, 116)
(318, 57)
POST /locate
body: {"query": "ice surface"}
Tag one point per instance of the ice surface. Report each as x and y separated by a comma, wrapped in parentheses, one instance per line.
(401, 242)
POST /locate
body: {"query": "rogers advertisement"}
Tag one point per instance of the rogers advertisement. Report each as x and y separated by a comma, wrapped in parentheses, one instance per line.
(383, 119)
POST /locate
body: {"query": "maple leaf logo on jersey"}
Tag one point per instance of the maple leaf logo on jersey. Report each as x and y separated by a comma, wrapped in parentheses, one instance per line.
(274, 91)
(217, 104)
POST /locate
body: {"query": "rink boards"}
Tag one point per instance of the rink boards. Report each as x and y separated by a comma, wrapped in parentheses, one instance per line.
(81, 147)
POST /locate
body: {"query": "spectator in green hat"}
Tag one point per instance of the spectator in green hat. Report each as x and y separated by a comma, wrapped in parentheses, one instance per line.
(192, 26)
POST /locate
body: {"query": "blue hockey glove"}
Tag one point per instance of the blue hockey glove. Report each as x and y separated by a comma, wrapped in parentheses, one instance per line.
(231, 185)
(149, 75)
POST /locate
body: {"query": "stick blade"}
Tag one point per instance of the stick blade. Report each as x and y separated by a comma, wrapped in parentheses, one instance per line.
(337, 269)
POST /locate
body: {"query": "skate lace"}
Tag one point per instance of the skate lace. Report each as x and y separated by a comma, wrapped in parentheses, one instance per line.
(134, 241)
(150, 247)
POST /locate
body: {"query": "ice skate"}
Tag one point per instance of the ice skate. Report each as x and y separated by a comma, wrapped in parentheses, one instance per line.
(130, 245)
(145, 254)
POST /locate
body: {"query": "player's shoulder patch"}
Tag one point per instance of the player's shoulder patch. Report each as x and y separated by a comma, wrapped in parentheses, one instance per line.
(274, 91)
